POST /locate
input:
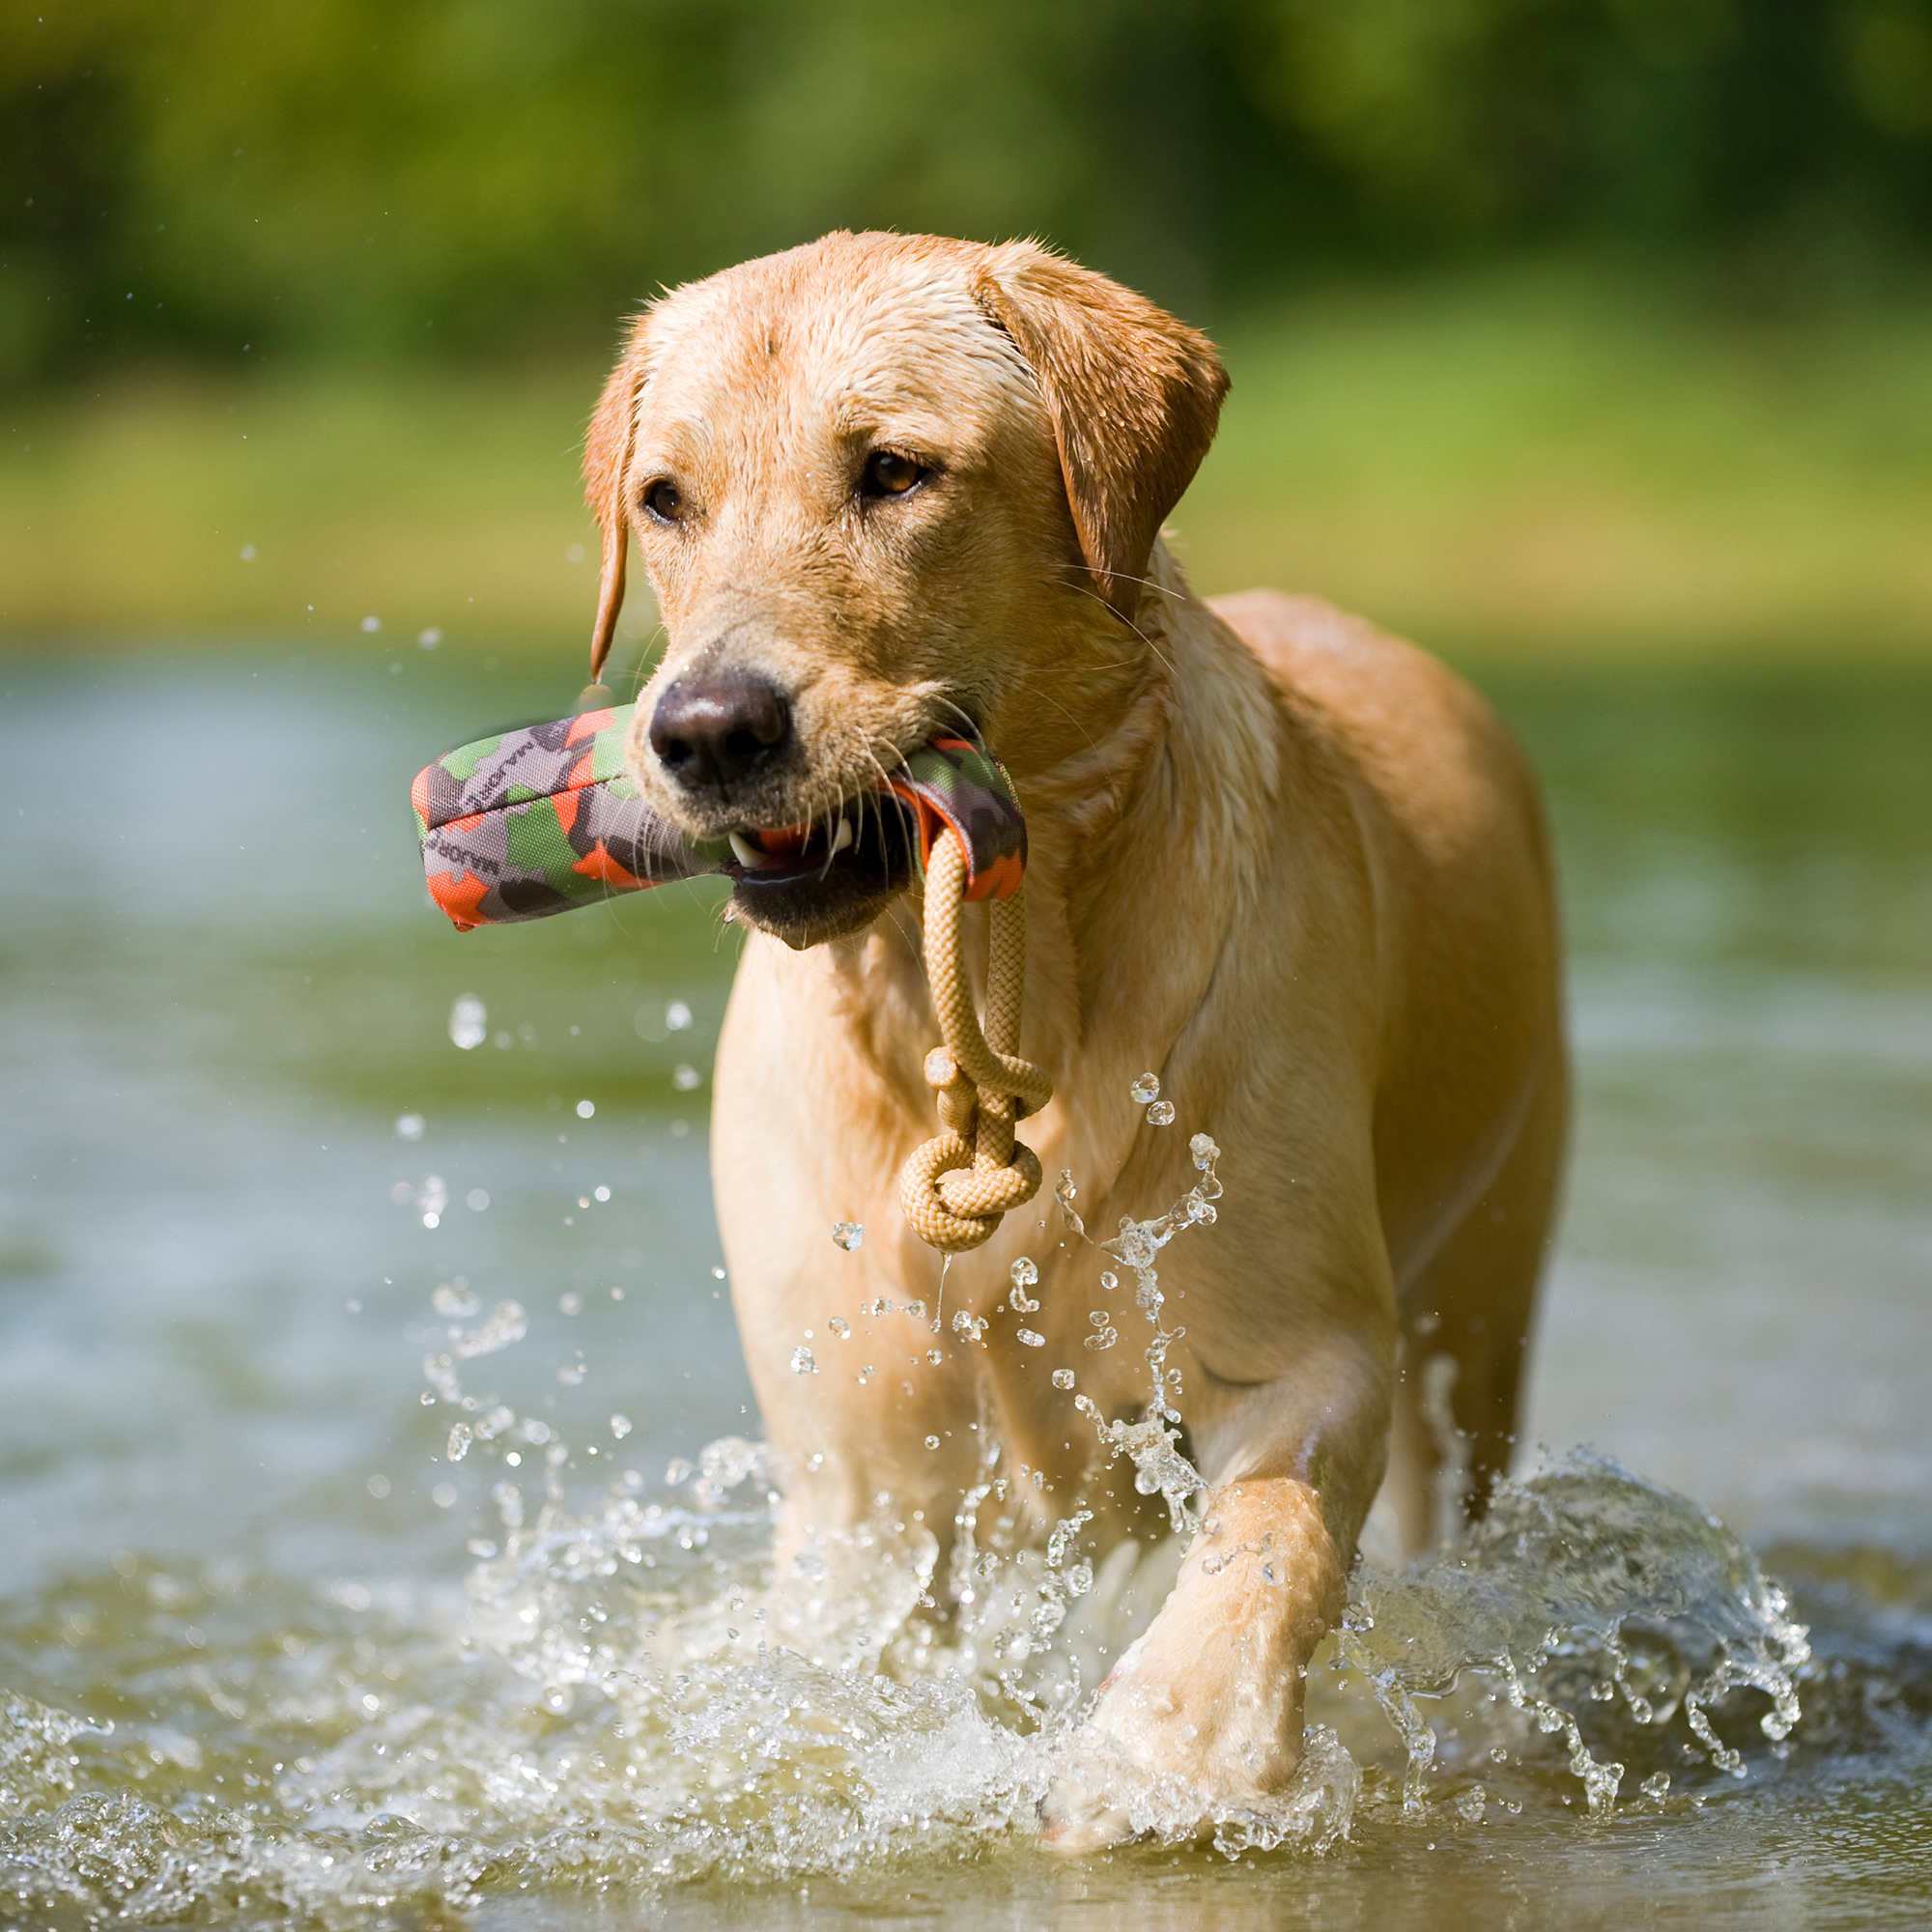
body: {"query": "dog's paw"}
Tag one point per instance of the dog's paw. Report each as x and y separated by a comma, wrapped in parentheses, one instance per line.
(1076, 1819)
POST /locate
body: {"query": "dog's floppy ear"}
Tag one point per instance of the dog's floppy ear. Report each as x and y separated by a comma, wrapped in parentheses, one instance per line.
(1133, 396)
(607, 455)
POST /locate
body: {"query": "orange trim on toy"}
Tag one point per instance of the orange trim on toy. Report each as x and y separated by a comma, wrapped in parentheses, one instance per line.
(597, 864)
(461, 896)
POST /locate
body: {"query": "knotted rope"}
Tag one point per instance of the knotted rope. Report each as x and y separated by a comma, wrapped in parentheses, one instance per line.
(956, 1186)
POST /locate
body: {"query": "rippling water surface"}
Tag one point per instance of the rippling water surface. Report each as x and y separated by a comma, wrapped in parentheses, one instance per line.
(271, 1652)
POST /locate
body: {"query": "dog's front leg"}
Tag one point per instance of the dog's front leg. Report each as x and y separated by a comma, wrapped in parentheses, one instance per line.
(1210, 1697)
(1205, 1709)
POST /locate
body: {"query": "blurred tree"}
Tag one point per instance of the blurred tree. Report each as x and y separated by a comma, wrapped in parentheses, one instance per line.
(453, 174)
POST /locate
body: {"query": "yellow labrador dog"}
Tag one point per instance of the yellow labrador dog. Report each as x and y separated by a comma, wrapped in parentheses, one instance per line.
(885, 484)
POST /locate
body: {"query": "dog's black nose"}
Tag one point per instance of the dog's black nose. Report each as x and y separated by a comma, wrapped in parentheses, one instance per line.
(714, 728)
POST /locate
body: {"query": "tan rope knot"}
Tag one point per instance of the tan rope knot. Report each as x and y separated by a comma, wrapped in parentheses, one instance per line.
(955, 1187)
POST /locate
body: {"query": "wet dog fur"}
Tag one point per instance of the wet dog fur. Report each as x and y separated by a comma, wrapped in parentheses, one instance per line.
(889, 484)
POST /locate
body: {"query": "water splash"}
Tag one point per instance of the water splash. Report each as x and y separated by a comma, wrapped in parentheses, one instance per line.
(1152, 1443)
(1594, 1608)
(626, 1698)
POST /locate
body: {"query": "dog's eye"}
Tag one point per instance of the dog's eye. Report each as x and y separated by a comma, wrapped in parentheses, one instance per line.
(665, 500)
(888, 473)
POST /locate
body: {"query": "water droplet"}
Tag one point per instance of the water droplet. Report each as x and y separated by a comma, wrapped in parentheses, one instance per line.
(481, 1545)
(936, 1356)
(454, 1300)
(685, 1078)
(571, 1373)
(468, 1022)
(569, 1304)
(1024, 1273)
(585, 1109)
(371, 625)
(1109, 1280)
(802, 1363)
(677, 1470)
(1205, 1154)
(841, 1327)
(867, 1374)
(476, 1200)
(428, 639)
(847, 1234)
(620, 1425)
(443, 1496)
(1063, 1378)
(460, 1440)
(1656, 1785)
(1105, 1338)
(505, 1323)
(932, 1442)
(1160, 1113)
(717, 1274)
(1031, 1340)
(677, 1016)
(409, 1127)
(600, 1194)
(1212, 1564)
(1146, 1087)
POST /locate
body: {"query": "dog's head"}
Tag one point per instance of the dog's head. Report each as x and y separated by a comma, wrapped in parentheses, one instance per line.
(884, 486)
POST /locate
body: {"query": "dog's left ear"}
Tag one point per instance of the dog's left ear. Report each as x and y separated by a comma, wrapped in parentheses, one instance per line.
(607, 455)
(1132, 393)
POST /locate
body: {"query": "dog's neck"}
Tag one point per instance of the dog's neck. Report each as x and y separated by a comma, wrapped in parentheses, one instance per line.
(1140, 841)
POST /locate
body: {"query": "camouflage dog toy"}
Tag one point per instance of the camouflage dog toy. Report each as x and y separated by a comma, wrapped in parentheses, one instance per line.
(543, 819)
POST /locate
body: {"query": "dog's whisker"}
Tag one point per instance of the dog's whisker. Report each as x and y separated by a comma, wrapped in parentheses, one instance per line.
(1187, 599)
(1165, 662)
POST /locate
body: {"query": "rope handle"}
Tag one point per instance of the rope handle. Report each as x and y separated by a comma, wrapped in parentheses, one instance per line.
(955, 1187)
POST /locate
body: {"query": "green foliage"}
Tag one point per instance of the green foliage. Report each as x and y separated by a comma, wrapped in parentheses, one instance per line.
(461, 174)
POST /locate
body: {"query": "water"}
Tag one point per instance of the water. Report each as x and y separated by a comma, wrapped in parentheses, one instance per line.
(270, 1655)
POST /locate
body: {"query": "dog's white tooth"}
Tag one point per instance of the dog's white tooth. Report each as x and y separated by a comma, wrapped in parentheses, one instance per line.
(749, 855)
(842, 837)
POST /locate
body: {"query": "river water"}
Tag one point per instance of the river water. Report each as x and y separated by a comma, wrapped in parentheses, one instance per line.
(270, 1655)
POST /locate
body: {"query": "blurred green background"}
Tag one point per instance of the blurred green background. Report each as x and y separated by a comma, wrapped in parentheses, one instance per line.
(1558, 326)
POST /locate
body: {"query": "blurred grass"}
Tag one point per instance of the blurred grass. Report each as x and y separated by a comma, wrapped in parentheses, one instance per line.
(1513, 464)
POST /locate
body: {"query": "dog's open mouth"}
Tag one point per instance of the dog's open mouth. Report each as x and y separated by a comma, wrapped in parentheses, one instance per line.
(808, 881)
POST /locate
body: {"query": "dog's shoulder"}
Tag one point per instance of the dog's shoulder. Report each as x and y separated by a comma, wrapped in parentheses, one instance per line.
(1415, 731)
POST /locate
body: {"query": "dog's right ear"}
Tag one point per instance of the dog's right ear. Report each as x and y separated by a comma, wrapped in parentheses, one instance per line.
(607, 456)
(1133, 394)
